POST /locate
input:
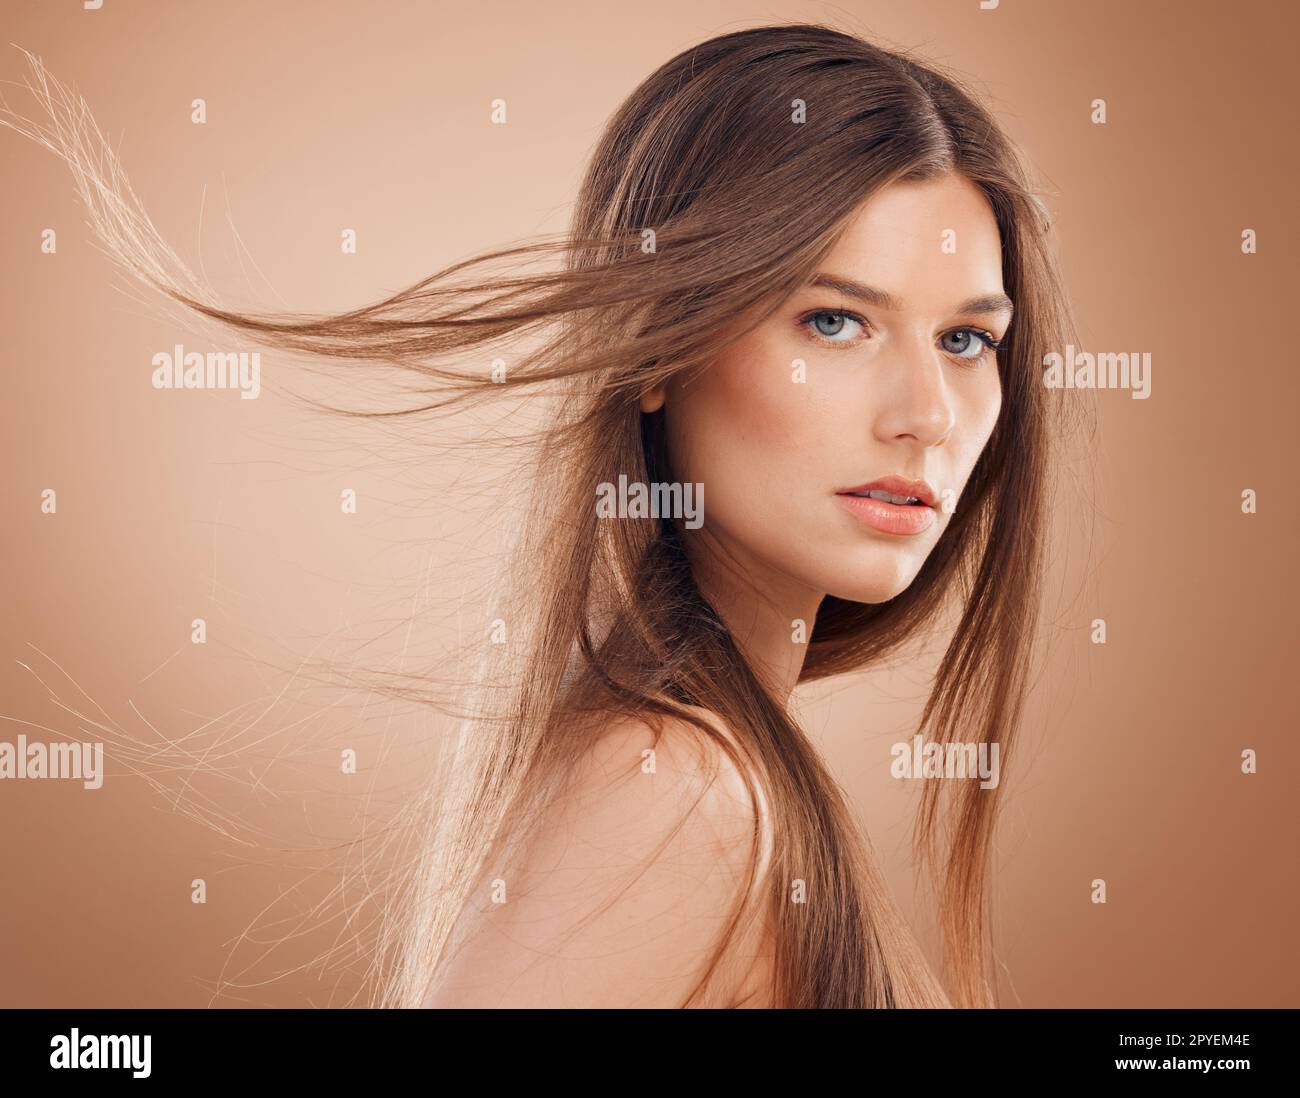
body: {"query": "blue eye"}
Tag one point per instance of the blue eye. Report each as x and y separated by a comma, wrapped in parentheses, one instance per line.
(832, 325)
(969, 343)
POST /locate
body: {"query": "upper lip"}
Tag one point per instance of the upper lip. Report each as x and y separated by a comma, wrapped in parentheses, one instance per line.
(898, 486)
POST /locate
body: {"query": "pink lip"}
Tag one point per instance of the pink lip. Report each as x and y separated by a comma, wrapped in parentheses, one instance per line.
(906, 520)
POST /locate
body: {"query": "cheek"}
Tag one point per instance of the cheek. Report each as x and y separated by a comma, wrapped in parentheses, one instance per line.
(742, 419)
(751, 435)
(976, 420)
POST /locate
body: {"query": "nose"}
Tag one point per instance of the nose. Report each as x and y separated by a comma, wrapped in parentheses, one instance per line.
(912, 398)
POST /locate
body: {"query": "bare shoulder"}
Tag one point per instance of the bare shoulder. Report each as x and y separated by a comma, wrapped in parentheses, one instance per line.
(626, 884)
(686, 768)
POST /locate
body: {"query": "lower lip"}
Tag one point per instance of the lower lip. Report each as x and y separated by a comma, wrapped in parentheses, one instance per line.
(905, 520)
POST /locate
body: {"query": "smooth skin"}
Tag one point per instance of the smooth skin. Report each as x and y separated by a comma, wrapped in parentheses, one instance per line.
(621, 894)
(909, 390)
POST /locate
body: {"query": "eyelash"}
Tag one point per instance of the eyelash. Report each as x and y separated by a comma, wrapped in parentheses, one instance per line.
(991, 345)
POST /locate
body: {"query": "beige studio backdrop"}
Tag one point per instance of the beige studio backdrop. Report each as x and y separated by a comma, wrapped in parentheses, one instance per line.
(177, 506)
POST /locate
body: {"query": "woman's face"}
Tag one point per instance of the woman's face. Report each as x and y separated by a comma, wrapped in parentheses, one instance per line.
(878, 374)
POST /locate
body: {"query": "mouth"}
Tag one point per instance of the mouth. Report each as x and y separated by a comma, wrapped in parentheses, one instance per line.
(891, 505)
(888, 497)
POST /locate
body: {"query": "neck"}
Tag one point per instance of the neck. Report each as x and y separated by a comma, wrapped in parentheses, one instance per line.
(770, 615)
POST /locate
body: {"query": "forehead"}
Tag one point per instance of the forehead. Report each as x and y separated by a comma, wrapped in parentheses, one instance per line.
(928, 243)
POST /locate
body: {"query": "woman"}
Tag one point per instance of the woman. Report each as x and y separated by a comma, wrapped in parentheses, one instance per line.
(785, 313)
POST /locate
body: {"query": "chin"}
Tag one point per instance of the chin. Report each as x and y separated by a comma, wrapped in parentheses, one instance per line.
(884, 576)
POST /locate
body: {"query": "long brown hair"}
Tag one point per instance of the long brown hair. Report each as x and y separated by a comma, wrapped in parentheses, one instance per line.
(713, 193)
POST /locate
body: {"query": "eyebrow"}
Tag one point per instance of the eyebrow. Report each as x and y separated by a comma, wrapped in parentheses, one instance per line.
(986, 303)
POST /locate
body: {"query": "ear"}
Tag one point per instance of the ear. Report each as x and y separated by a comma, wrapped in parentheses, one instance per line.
(653, 400)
